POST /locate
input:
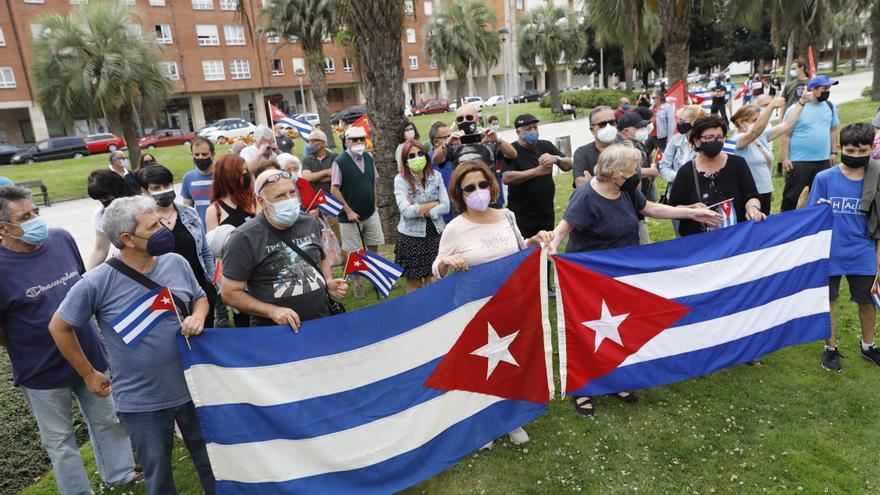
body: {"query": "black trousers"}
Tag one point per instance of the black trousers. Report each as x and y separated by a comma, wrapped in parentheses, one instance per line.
(720, 110)
(795, 181)
(766, 202)
(529, 225)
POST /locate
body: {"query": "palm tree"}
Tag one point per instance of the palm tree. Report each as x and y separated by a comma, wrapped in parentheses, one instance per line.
(553, 34)
(311, 21)
(620, 23)
(675, 22)
(462, 36)
(92, 63)
(875, 51)
(374, 33)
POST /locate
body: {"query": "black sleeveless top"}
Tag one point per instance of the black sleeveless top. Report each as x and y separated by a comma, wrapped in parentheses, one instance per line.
(236, 216)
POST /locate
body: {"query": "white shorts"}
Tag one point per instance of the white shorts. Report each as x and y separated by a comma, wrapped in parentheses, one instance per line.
(371, 228)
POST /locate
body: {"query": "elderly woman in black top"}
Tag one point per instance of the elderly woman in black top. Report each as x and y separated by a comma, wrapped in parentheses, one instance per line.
(713, 177)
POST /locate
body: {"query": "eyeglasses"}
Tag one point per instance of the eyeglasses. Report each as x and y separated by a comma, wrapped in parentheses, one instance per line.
(414, 155)
(274, 178)
(357, 139)
(709, 139)
(604, 123)
(483, 184)
(462, 118)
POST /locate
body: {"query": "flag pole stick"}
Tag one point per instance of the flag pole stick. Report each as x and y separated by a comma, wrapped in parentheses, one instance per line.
(312, 202)
(364, 245)
(180, 322)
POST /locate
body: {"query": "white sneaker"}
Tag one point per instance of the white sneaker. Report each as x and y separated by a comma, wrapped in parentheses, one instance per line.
(488, 446)
(518, 436)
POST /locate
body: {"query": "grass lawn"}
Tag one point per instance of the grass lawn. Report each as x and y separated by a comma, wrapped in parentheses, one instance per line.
(789, 427)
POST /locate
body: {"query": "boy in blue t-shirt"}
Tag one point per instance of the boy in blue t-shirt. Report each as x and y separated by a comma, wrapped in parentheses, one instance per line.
(853, 251)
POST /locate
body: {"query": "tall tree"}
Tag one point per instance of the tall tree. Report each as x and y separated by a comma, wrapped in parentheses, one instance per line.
(462, 35)
(553, 34)
(91, 63)
(875, 51)
(311, 21)
(375, 31)
(620, 23)
(675, 22)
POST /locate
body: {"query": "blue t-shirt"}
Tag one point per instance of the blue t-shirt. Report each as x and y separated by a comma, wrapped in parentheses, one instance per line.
(853, 252)
(811, 137)
(34, 284)
(756, 155)
(199, 189)
(147, 377)
(600, 223)
(5, 182)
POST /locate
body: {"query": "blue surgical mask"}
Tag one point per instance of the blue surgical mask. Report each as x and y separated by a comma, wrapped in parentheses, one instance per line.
(35, 231)
(530, 137)
(124, 162)
(495, 127)
(625, 106)
(285, 212)
(793, 73)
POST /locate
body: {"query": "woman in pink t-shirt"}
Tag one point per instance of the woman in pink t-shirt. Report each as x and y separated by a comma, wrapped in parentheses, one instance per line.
(480, 234)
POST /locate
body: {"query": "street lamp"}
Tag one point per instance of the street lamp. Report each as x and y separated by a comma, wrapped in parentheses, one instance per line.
(302, 94)
(504, 32)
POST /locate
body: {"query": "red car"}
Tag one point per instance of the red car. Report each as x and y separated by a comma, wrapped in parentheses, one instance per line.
(103, 143)
(431, 106)
(167, 137)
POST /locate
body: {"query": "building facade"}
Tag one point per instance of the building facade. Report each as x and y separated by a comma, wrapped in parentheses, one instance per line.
(219, 70)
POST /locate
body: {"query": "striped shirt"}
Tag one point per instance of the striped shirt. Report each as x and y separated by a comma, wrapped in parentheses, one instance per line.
(199, 189)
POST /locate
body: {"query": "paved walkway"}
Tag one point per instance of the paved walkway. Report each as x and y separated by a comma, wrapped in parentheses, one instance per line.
(76, 215)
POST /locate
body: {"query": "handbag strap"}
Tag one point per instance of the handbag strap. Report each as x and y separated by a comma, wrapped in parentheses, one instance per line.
(509, 215)
(147, 282)
(697, 181)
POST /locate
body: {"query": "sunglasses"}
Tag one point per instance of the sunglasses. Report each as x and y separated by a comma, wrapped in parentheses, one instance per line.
(357, 139)
(483, 184)
(604, 123)
(414, 155)
(462, 118)
(275, 178)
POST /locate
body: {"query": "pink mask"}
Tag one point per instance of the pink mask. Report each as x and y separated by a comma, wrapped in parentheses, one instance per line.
(478, 200)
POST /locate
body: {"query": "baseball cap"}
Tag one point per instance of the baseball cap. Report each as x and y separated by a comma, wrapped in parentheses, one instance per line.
(355, 132)
(820, 81)
(632, 119)
(524, 119)
(319, 135)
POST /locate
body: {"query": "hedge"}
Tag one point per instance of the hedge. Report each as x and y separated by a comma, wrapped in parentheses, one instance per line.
(591, 98)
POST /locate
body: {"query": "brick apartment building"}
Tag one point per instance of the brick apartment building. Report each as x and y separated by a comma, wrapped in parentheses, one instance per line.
(219, 70)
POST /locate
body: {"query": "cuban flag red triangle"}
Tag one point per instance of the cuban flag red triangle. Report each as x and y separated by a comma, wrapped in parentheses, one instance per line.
(505, 349)
(604, 322)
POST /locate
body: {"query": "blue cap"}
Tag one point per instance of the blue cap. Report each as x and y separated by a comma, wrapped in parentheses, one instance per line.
(820, 81)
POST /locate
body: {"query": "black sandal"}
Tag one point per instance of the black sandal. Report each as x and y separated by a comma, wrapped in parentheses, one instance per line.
(583, 405)
(629, 398)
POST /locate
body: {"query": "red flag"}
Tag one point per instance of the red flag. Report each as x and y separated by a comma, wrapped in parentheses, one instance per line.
(501, 351)
(364, 123)
(306, 193)
(218, 272)
(677, 95)
(163, 301)
(812, 60)
(276, 114)
(605, 321)
(659, 155)
(742, 90)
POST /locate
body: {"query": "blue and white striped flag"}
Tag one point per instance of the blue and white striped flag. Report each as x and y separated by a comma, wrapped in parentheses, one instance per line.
(382, 273)
(136, 321)
(328, 203)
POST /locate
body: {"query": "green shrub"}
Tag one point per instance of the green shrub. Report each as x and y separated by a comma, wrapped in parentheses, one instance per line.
(590, 98)
(866, 93)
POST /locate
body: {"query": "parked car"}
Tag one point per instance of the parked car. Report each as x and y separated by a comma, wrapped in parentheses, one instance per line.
(7, 151)
(229, 128)
(348, 115)
(213, 126)
(312, 118)
(494, 101)
(527, 95)
(161, 138)
(476, 101)
(53, 149)
(436, 105)
(103, 143)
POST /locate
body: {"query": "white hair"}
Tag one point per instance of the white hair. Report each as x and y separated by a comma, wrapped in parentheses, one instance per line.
(121, 216)
(263, 133)
(288, 162)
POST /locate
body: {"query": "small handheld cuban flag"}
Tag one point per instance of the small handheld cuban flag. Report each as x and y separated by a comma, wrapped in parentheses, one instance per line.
(136, 321)
(379, 271)
(729, 147)
(728, 212)
(875, 291)
(328, 203)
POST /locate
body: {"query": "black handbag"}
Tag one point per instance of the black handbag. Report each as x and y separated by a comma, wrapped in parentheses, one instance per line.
(333, 305)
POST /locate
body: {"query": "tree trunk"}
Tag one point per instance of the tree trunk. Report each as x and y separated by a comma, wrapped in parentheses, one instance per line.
(835, 55)
(875, 51)
(461, 82)
(628, 65)
(377, 27)
(553, 87)
(853, 52)
(675, 21)
(128, 124)
(315, 66)
(789, 56)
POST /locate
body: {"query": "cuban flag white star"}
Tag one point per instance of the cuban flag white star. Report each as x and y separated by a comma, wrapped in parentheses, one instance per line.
(606, 327)
(165, 300)
(497, 349)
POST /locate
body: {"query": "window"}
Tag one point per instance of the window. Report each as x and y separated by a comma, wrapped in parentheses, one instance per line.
(7, 79)
(329, 65)
(79, 2)
(413, 62)
(128, 2)
(213, 70)
(432, 64)
(203, 4)
(346, 65)
(234, 34)
(410, 35)
(409, 7)
(429, 8)
(277, 67)
(240, 68)
(2, 38)
(37, 30)
(163, 34)
(157, 3)
(299, 66)
(327, 39)
(519, 4)
(293, 39)
(169, 69)
(228, 5)
(207, 34)
(34, 1)
(271, 37)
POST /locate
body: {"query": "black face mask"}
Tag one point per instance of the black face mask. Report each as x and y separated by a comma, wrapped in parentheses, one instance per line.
(683, 127)
(823, 96)
(711, 149)
(203, 163)
(854, 161)
(164, 199)
(631, 182)
(247, 181)
(468, 127)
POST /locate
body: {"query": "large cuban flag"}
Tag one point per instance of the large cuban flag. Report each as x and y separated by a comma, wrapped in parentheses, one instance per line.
(645, 316)
(379, 399)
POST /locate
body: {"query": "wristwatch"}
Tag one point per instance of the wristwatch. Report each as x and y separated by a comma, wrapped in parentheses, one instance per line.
(558, 160)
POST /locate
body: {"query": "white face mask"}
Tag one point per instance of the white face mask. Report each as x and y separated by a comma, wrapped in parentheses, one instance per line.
(607, 134)
(409, 134)
(642, 134)
(358, 149)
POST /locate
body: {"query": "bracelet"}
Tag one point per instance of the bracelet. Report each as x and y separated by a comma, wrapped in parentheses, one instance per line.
(801, 103)
(755, 207)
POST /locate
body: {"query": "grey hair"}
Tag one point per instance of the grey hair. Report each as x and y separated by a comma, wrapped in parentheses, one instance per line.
(121, 216)
(600, 108)
(614, 160)
(12, 194)
(263, 133)
(114, 154)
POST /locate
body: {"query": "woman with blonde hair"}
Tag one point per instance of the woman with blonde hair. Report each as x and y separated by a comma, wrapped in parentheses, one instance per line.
(679, 150)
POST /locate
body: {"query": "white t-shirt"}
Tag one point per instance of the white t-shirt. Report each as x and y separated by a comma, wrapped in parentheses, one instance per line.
(98, 223)
(479, 242)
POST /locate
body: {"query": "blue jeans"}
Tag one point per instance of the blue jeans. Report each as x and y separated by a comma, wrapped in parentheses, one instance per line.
(152, 434)
(53, 409)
